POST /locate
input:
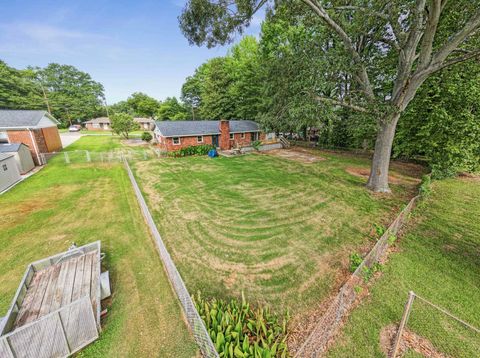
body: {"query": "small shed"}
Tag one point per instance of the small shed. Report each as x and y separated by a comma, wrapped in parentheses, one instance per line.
(9, 173)
(22, 155)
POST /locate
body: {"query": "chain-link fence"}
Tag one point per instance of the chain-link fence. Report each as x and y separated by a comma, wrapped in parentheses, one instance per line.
(194, 320)
(86, 156)
(329, 324)
(432, 331)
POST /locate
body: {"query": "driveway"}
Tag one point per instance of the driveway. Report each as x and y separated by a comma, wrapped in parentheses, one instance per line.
(69, 138)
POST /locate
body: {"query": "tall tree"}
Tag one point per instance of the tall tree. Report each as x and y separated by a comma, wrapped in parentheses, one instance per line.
(69, 94)
(391, 48)
(172, 109)
(17, 90)
(142, 105)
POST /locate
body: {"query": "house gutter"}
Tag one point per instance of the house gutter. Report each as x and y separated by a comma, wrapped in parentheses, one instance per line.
(35, 147)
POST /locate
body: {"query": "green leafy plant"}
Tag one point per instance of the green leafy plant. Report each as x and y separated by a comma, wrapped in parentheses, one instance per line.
(146, 137)
(256, 144)
(392, 239)
(192, 150)
(355, 261)
(379, 229)
(425, 186)
(237, 330)
(368, 272)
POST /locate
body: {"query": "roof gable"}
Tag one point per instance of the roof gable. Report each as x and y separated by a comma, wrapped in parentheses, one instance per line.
(4, 156)
(10, 148)
(24, 118)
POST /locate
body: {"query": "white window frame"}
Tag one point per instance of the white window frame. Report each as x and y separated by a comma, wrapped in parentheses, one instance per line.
(176, 138)
(232, 136)
(200, 137)
(95, 125)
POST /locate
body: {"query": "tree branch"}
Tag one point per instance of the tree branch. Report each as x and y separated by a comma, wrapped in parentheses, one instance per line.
(435, 68)
(429, 33)
(340, 103)
(362, 72)
(456, 40)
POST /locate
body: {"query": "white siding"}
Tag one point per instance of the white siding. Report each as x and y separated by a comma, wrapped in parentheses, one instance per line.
(45, 122)
(9, 173)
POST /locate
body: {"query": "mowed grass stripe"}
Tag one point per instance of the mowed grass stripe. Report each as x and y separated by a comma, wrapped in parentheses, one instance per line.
(277, 229)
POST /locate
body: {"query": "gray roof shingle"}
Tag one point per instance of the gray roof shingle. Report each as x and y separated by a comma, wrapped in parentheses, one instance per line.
(10, 148)
(191, 128)
(20, 118)
(4, 156)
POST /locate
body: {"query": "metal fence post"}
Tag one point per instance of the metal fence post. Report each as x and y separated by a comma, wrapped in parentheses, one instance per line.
(403, 322)
(67, 159)
(88, 156)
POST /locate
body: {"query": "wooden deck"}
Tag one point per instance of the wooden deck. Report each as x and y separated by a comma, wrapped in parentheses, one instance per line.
(58, 285)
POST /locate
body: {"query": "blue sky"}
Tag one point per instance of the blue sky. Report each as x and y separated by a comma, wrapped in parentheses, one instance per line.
(128, 46)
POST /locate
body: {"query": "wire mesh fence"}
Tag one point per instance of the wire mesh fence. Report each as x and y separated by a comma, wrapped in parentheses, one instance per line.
(195, 322)
(329, 324)
(113, 156)
(430, 330)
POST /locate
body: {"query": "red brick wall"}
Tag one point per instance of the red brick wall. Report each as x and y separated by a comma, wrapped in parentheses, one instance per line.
(167, 143)
(89, 127)
(225, 142)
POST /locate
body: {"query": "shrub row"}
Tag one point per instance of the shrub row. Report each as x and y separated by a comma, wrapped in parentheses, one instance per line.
(192, 150)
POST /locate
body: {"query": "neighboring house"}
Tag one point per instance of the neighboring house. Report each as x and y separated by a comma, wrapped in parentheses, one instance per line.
(173, 135)
(98, 124)
(22, 155)
(36, 129)
(9, 173)
(146, 124)
(104, 124)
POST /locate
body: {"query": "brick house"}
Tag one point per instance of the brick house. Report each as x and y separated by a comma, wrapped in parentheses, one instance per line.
(174, 135)
(104, 124)
(36, 129)
(98, 124)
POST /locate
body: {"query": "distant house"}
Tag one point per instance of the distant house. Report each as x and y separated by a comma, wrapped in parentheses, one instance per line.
(36, 129)
(173, 135)
(146, 124)
(22, 155)
(98, 124)
(9, 173)
(104, 124)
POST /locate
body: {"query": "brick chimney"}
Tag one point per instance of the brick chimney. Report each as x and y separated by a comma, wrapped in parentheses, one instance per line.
(225, 134)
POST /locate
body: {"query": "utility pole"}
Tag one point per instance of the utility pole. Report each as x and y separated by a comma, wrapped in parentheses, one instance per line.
(46, 98)
(106, 106)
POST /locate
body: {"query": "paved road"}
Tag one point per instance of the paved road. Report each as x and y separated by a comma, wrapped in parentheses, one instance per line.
(69, 138)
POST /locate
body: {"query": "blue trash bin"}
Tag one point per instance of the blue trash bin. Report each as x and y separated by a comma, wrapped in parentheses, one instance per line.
(212, 153)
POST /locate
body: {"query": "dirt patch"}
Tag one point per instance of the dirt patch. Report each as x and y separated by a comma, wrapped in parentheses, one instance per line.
(135, 143)
(393, 178)
(410, 341)
(296, 154)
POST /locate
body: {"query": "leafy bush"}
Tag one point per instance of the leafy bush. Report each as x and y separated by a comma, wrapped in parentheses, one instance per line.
(256, 144)
(368, 272)
(146, 137)
(425, 186)
(379, 229)
(237, 330)
(192, 150)
(355, 261)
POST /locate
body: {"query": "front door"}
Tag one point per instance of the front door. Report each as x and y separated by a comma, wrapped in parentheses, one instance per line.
(215, 141)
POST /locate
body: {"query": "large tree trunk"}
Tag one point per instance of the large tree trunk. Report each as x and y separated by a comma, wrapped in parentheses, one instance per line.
(378, 180)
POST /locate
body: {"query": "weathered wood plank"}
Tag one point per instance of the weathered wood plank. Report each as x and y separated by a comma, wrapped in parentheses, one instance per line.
(27, 301)
(57, 293)
(77, 285)
(87, 276)
(50, 292)
(34, 310)
(69, 281)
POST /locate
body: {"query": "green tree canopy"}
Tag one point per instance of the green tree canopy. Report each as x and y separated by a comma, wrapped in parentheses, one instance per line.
(123, 124)
(172, 109)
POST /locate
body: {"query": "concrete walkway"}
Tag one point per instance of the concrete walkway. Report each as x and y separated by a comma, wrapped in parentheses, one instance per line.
(68, 138)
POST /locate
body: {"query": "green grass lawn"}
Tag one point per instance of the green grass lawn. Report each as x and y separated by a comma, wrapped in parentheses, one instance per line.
(278, 229)
(83, 203)
(439, 259)
(96, 143)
